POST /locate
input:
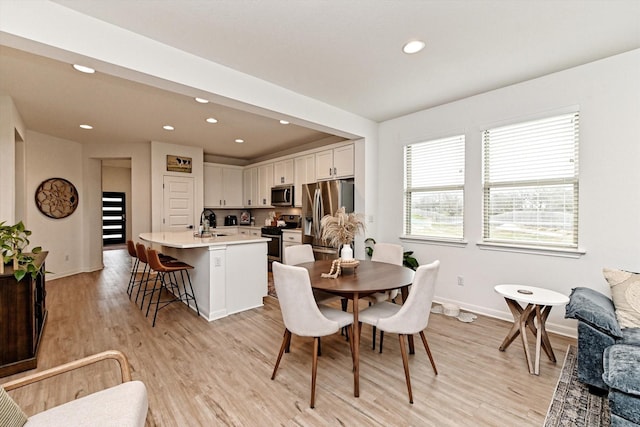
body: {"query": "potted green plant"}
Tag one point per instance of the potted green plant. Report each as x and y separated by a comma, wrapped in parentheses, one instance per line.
(408, 259)
(14, 239)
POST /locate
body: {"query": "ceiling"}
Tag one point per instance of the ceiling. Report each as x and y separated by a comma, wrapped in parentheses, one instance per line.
(344, 53)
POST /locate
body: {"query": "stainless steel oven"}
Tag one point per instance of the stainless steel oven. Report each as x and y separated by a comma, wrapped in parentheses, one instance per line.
(274, 247)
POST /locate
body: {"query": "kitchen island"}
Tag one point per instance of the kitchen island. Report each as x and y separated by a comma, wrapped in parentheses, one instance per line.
(230, 271)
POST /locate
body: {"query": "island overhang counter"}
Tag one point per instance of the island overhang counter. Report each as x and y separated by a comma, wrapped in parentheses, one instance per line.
(229, 272)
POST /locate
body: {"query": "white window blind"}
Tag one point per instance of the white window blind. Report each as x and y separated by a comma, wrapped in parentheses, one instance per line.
(531, 183)
(434, 188)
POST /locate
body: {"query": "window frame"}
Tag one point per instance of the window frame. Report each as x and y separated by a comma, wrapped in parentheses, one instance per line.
(408, 191)
(540, 246)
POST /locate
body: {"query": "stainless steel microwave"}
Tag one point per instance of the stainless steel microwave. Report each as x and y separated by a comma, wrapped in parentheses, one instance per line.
(282, 195)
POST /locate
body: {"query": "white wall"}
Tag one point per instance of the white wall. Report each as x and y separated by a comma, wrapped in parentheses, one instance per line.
(50, 157)
(11, 174)
(608, 95)
(140, 200)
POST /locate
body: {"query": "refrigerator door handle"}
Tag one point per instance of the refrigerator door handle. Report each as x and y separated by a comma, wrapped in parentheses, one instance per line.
(317, 211)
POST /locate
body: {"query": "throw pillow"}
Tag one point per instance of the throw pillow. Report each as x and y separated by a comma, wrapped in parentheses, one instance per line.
(10, 413)
(625, 293)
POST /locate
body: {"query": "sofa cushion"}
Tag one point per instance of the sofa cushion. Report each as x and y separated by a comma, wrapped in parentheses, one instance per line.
(123, 405)
(625, 292)
(630, 336)
(594, 309)
(10, 413)
(622, 368)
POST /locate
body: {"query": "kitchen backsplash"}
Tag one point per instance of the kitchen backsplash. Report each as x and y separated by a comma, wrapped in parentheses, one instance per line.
(260, 215)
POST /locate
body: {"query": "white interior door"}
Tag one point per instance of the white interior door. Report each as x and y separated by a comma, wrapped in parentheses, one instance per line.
(177, 203)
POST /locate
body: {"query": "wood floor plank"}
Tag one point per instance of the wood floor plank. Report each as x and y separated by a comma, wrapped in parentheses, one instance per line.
(218, 373)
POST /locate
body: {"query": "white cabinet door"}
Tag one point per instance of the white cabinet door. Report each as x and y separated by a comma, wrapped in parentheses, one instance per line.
(324, 165)
(265, 182)
(335, 163)
(232, 187)
(305, 173)
(212, 183)
(283, 172)
(222, 186)
(343, 161)
(250, 184)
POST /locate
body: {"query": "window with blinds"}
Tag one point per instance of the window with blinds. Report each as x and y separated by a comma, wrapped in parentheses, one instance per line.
(531, 183)
(434, 188)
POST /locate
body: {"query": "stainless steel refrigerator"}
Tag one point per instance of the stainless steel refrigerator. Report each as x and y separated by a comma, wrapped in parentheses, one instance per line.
(320, 199)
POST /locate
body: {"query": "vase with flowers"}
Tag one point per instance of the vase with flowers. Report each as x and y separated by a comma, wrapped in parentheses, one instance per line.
(340, 229)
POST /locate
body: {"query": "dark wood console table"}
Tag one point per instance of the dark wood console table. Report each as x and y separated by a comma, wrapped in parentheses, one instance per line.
(22, 318)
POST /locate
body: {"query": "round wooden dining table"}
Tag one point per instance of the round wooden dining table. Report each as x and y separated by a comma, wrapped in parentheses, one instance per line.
(354, 283)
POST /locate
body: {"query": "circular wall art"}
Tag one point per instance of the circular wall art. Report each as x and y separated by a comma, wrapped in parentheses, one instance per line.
(56, 198)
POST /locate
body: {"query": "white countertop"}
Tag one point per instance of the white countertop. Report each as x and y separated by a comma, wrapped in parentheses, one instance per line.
(186, 239)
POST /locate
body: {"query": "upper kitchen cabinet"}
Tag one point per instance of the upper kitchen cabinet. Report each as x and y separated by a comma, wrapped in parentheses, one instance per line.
(265, 182)
(335, 163)
(283, 172)
(250, 184)
(305, 173)
(222, 186)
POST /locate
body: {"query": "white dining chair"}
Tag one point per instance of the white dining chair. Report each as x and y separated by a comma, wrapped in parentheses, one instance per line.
(409, 318)
(391, 254)
(299, 254)
(302, 316)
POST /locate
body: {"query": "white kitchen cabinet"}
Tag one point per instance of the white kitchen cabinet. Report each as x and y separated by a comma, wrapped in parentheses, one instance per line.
(265, 182)
(335, 163)
(305, 173)
(250, 184)
(250, 231)
(222, 186)
(283, 172)
(290, 238)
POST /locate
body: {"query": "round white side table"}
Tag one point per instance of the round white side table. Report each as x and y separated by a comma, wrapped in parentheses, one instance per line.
(538, 306)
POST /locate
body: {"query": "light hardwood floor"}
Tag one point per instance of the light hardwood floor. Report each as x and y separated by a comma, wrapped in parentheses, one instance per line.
(218, 373)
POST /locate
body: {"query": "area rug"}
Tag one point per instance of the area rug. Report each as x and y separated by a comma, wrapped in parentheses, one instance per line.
(572, 404)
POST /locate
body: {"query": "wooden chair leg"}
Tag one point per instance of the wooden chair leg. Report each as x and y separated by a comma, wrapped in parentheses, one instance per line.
(373, 345)
(405, 363)
(381, 339)
(314, 369)
(288, 349)
(426, 347)
(285, 340)
(353, 355)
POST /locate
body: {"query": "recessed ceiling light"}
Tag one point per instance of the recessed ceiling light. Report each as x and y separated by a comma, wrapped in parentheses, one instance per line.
(202, 100)
(168, 127)
(413, 46)
(86, 126)
(284, 122)
(212, 120)
(239, 141)
(84, 69)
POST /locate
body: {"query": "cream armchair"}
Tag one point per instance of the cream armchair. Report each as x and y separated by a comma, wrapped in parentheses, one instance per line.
(123, 405)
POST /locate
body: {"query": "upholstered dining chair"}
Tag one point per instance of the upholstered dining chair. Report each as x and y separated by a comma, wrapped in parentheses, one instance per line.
(302, 316)
(299, 254)
(391, 254)
(409, 318)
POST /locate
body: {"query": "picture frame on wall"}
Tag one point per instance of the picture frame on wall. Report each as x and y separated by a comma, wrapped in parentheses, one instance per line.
(178, 163)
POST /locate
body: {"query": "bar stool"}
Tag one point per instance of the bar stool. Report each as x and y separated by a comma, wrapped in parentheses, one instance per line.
(166, 275)
(141, 251)
(131, 248)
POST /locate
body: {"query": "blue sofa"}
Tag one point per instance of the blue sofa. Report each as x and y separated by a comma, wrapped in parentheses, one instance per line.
(608, 356)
